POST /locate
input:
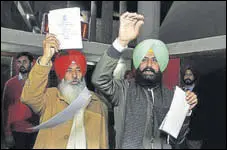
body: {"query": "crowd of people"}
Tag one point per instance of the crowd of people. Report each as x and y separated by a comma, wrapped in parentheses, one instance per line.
(140, 101)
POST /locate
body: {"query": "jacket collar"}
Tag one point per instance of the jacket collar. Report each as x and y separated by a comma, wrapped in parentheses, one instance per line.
(60, 96)
(20, 77)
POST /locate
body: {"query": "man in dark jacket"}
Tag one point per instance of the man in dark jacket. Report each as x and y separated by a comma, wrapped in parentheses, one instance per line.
(195, 136)
(140, 104)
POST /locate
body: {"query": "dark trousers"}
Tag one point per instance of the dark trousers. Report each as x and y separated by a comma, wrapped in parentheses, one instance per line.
(24, 140)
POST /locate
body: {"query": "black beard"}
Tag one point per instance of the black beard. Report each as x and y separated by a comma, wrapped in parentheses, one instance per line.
(23, 70)
(188, 82)
(148, 80)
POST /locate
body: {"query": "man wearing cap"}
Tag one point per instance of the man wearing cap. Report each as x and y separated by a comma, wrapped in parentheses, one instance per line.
(88, 127)
(140, 105)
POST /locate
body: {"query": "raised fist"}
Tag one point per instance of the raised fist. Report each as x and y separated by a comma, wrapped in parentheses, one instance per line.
(50, 47)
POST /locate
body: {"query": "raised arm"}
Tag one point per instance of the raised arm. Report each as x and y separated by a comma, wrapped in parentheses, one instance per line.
(35, 86)
(102, 78)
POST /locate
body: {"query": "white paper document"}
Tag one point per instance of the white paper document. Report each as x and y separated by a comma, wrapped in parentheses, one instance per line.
(66, 25)
(175, 117)
(68, 113)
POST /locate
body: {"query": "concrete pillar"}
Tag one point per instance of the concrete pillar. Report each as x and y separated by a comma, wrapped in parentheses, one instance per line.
(123, 7)
(92, 22)
(68, 4)
(151, 12)
(107, 22)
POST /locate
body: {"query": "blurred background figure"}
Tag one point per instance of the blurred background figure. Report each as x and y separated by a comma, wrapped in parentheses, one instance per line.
(129, 74)
(17, 117)
(190, 82)
(189, 78)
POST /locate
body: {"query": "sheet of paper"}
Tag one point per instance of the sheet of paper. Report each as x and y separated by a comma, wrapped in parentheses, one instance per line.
(68, 113)
(175, 117)
(66, 25)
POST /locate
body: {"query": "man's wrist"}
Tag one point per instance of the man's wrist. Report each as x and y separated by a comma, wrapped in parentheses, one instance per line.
(124, 43)
(44, 61)
(120, 45)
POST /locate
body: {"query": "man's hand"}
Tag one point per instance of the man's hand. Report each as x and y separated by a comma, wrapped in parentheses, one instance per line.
(191, 98)
(130, 24)
(50, 47)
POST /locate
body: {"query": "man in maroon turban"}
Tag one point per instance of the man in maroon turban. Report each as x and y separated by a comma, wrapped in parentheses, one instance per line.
(84, 122)
(70, 68)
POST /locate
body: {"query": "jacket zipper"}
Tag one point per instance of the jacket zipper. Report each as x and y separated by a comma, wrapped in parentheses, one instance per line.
(152, 93)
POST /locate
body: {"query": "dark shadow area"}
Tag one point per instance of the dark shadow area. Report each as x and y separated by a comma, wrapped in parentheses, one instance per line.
(214, 89)
(5, 75)
(88, 76)
(211, 112)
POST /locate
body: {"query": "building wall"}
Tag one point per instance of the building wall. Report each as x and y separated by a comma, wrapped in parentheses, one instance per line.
(187, 20)
(114, 32)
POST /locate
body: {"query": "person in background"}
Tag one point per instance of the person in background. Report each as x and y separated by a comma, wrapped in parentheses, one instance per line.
(129, 74)
(195, 136)
(189, 78)
(17, 117)
(140, 105)
(88, 127)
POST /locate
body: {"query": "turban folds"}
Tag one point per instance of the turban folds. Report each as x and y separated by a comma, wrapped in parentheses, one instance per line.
(62, 62)
(158, 47)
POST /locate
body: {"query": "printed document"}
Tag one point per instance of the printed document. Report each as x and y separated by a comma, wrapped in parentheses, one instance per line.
(68, 113)
(176, 115)
(66, 25)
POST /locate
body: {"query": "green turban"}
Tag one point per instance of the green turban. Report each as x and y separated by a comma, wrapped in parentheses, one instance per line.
(160, 51)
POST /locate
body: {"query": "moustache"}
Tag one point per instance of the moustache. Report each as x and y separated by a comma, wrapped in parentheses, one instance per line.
(22, 67)
(150, 80)
(74, 81)
(148, 69)
(188, 80)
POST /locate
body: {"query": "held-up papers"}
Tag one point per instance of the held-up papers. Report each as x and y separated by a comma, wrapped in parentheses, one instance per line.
(66, 25)
(175, 117)
(68, 113)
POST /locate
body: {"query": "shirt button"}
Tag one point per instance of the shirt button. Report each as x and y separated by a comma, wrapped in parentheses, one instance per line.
(66, 137)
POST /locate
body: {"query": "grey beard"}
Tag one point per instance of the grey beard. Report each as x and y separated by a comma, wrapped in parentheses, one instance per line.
(71, 92)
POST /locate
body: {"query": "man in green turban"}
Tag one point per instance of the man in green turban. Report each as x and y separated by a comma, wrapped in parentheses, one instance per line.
(150, 58)
(140, 104)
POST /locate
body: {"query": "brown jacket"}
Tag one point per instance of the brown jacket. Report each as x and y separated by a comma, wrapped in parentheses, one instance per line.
(48, 101)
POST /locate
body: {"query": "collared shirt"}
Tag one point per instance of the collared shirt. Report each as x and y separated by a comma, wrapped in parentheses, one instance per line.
(20, 77)
(190, 88)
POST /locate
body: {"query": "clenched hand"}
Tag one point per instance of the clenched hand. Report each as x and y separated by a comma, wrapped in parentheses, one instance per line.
(191, 98)
(50, 47)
